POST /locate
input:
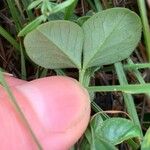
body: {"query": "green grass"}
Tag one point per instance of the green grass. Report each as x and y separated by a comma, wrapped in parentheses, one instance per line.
(146, 29)
(19, 111)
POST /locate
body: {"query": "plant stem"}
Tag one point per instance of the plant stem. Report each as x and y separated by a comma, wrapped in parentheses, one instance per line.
(9, 38)
(137, 66)
(15, 14)
(19, 111)
(81, 76)
(132, 89)
(97, 109)
(146, 29)
(129, 101)
(135, 70)
(23, 63)
(139, 77)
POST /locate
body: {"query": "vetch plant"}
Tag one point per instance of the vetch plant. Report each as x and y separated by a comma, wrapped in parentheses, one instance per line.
(107, 37)
(90, 42)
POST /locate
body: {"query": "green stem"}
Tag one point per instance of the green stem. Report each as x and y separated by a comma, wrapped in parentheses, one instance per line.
(146, 29)
(129, 101)
(138, 76)
(136, 72)
(137, 66)
(15, 14)
(23, 63)
(19, 111)
(132, 89)
(81, 76)
(9, 38)
(97, 109)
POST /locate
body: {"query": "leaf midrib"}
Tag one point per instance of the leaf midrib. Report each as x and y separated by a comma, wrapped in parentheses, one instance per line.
(114, 29)
(61, 50)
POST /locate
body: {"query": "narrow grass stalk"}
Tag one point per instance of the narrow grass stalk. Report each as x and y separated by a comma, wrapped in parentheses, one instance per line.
(131, 89)
(37, 72)
(135, 70)
(19, 8)
(137, 66)
(9, 38)
(15, 14)
(19, 111)
(23, 63)
(97, 109)
(146, 29)
(139, 77)
(128, 99)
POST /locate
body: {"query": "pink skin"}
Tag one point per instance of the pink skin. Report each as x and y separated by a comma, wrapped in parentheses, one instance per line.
(57, 108)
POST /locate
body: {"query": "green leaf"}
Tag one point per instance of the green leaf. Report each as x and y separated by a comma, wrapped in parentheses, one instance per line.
(103, 144)
(60, 16)
(56, 16)
(115, 130)
(84, 144)
(81, 20)
(110, 36)
(146, 142)
(92, 142)
(96, 121)
(56, 44)
(98, 144)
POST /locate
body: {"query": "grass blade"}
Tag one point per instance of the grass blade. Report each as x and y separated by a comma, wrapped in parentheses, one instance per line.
(18, 110)
(15, 14)
(9, 38)
(146, 30)
(128, 99)
(137, 66)
(131, 89)
(23, 63)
